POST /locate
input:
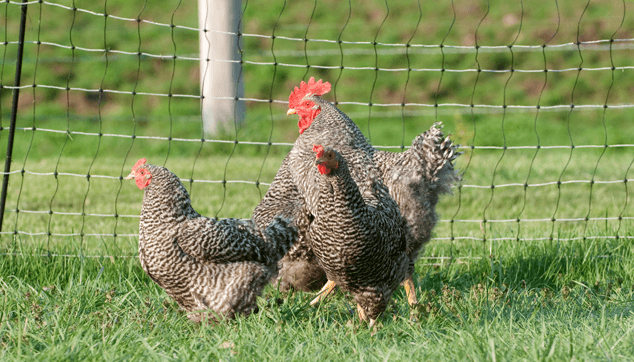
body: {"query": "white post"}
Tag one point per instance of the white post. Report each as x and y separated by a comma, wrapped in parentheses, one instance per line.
(218, 77)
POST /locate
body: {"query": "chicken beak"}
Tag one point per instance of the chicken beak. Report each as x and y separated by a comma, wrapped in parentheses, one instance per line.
(130, 176)
(318, 162)
(291, 111)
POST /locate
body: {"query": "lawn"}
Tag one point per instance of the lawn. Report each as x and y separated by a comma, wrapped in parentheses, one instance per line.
(504, 299)
(520, 301)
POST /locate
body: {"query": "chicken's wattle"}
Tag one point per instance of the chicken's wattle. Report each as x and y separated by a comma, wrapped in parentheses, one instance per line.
(307, 118)
(142, 179)
(323, 169)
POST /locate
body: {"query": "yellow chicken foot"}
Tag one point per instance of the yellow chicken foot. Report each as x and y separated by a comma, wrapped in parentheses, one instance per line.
(323, 293)
(362, 314)
(410, 291)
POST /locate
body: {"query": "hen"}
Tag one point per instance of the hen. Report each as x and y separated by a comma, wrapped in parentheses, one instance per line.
(299, 267)
(212, 269)
(415, 178)
(370, 261)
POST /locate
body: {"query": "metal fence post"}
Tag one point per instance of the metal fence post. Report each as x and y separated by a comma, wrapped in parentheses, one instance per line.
(14, 111)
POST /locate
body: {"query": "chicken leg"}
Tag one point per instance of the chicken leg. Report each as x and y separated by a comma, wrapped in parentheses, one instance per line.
(323, 293)
(408, 284)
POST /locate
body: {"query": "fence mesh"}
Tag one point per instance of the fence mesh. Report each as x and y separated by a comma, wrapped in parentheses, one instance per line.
(538, 94)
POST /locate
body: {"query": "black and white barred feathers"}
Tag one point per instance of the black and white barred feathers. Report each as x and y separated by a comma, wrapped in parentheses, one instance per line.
(415, 179)
(358, 237)
(212, 269)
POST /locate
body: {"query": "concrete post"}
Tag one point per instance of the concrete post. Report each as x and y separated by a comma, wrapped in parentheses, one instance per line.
(218, 77)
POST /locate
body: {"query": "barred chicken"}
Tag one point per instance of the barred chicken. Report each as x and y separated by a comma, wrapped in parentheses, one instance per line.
(212, 269)
(299, 267)
(358, 239)
(415, 180)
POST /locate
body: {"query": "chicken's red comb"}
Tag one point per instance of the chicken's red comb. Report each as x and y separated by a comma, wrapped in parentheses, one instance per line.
(318, 88)
(138, 164)
(319, 149)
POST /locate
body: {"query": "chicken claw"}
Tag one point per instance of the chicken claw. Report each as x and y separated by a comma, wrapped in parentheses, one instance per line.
(323, 293)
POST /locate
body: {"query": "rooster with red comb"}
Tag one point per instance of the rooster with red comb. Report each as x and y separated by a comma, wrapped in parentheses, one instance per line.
(415, 179)
(298, 102)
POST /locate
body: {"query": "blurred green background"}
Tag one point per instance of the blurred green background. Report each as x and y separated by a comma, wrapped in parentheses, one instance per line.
(458, 25)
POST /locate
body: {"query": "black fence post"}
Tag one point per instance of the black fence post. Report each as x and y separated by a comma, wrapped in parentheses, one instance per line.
(14, 111)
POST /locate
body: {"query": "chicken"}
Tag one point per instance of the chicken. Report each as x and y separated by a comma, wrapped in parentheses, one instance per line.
(299, 267)
(294, 190)
(371, 260)
(415, 178)
(212, 269)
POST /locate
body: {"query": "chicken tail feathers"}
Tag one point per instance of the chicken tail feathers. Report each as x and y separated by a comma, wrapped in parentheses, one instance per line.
(437, 153)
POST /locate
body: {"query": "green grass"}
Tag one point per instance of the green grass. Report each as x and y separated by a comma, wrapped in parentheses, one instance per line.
(390, 22)
(528, 301)
(534, 206)
(533, 300)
